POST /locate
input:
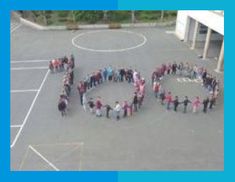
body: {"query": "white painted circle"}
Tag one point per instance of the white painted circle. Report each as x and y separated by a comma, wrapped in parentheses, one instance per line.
(144, 40)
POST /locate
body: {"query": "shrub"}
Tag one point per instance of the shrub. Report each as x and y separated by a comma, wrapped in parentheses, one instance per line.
(115, 25)
(72, 25)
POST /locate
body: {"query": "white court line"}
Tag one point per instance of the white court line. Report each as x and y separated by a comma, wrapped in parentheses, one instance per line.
(29, 61)
(15, 28)
(170, 32)
(16, 126)
(43, 158)
(30, 109)
(29, 68)
(22, 91)
(144, 40)
(58, 144)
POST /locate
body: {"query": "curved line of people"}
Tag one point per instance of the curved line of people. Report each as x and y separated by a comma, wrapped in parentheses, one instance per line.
(191, 71)
(110, 74)
(67, 82)
(61, 64)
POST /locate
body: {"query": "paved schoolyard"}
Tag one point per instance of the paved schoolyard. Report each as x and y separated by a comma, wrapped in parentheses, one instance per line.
(153, 139)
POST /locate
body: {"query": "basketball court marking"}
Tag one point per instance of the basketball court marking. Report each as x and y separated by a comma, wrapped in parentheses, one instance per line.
(15, 28)
(144, 40)
(188, 80)
(29, 111)
(23, 91)
(29, 61)
(170, 32)
(16, 126)
(43, 158)
(29, 68)
(32, 147)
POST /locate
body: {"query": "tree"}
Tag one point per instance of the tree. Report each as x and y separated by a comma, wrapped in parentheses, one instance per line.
(105, 15)
(73, 16)
(44, 17)
(133, 17)
(162, 15)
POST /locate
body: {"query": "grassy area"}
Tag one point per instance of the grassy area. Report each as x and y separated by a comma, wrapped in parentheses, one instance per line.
(97, 17)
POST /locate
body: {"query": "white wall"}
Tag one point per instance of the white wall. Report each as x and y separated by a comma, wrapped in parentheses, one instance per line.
(213, 20)
(181, 24)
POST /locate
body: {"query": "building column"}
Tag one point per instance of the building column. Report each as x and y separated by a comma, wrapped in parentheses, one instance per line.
(221, 59)
(186, 35)
(207, 43)
(195, 34)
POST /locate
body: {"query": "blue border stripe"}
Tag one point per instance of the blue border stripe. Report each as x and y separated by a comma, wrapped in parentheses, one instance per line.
(7, 5)
(4, 91)
(61, 4)
(183, 176)
(170, 4)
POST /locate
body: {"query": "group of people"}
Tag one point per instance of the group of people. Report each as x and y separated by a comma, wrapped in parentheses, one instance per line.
(67, 82)
(193, 72)
(110, 74)
(61, 64)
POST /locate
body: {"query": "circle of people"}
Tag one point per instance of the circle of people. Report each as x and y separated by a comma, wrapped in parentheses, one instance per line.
(191, 71)
(110, 74)
(64, 64)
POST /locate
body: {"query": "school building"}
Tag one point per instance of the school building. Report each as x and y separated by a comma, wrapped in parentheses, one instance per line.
(204, 31)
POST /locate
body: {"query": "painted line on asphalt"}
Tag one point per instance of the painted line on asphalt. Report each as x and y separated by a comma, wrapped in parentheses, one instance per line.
(22, 91)
(44, 158)
(16, 126)
(30, 109)
(28, 68)
(15, 28)
(29, 61)
(109, 50)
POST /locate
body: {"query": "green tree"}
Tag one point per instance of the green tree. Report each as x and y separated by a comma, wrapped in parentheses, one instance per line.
(88, 16)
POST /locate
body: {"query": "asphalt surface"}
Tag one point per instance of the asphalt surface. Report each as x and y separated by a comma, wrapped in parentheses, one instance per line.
(152, 139)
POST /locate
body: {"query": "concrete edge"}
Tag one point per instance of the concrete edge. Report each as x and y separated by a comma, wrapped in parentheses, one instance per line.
(31, 24)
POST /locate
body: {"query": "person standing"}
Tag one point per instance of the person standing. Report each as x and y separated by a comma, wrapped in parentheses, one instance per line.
(98, 105)
(140, 99)
(168, 69)
(168, 100)
(212, 102)
(72, 59)
(130, 109)
(105, 74)
(125, 108)
(185, 103)
(122, 74)
(135, 102)
(81, 90)
(110, 73)
(117, 110)
(91, 105)
(71, 76)
(196, 103)
(108, 109)
(162, 95)
(174, 68)
(84, 101)
(62, 106)
(205, 104)
(176, 103)
(156, 88)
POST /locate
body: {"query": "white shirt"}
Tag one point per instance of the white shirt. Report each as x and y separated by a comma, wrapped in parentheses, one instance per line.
(118, 108)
